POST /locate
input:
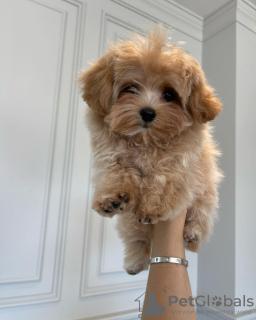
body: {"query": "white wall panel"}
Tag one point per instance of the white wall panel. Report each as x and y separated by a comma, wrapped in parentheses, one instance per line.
(28, 117)
(103, 266)
(245, 163)
(37, 60)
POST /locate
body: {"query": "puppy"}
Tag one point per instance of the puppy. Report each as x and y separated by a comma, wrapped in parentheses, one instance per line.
(154, 156)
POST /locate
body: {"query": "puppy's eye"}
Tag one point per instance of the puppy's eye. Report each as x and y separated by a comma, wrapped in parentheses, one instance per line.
(131, 89)
(169, 95)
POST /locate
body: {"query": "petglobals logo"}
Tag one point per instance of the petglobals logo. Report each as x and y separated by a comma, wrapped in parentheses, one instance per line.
(153, 308)
(217, 301)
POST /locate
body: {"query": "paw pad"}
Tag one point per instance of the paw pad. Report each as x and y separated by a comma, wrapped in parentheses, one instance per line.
(116, 204)
(110, 205)
(146, 219)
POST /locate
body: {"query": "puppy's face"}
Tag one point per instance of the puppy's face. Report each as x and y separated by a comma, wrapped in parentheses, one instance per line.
(148, 90)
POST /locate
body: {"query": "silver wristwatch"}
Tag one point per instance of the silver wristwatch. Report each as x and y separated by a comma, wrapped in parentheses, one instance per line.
(184, 262)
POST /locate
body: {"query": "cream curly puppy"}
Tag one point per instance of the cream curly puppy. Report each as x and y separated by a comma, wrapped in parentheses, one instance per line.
(153, 152)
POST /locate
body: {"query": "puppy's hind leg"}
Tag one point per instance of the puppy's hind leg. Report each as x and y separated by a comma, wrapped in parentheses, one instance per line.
(137, 241)
(200, 219)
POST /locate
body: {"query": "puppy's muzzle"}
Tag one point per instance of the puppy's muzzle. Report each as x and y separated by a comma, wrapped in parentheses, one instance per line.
(147, 114)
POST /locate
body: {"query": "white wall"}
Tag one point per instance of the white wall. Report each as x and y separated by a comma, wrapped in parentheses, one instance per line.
(216, 277)
(227, 263)
(245, 162)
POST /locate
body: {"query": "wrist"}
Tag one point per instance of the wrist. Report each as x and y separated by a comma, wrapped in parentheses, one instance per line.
(168, 239)
(169, 251)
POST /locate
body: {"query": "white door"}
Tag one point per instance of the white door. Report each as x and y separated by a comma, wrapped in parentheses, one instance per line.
(58, 259)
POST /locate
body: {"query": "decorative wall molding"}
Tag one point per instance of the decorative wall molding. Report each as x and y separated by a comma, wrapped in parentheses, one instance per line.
(220, 20)
(186, 21)
(47, 188)
(112, 288)
(175, 16)
(241, 11)
(251, 3)
(100, 271)
(54, 294)
(130, 315)
(102, 252)
(246, 14)
(70, 143)
(106, 18)
(37, 277)
(184, 9)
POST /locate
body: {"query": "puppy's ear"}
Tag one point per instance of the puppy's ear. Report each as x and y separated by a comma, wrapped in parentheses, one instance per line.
(202, 104)
(96, 84)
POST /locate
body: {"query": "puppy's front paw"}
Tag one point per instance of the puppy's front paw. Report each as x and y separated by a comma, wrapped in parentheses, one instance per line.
(138, 260)
(135, 269)
(109, 205)
(192, 236)
(146, 218)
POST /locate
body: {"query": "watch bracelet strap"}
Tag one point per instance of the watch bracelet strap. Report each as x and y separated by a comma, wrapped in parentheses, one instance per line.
(184, 262)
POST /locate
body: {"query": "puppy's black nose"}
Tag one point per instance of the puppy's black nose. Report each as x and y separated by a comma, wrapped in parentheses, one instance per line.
(147, 114)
